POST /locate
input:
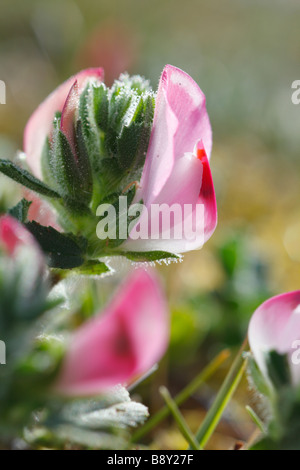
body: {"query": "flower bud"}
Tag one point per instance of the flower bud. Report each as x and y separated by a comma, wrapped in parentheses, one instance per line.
(275, 327)
(96, 146)
(22, 273)
(121, 343)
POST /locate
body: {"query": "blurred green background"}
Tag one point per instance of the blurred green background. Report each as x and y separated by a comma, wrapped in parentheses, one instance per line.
(244, 54)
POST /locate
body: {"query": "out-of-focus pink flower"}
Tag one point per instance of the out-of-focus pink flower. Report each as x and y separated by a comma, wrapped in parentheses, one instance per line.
(40, 211)
(121, 343)
(177, 167)
(40, 124)
(114, 45)
(14, 236)
(275, 326)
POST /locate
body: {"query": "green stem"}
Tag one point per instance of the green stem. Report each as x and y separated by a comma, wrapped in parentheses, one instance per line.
(200, 380)
(225, 394)
(256, 420)
(181, 423)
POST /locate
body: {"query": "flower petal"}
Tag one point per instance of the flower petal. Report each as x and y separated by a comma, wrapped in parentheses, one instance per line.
(40, 123)
(13, 235)
(207, 194)
(180, 120)
(275, 325)
(126, 341)
(190, 188)
(40, 211)
(67, 123)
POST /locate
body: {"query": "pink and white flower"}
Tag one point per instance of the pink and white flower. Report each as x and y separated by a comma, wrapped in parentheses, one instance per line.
(177, 167)
(64, 99)
(121, 343)
(13, 236)
(176, 170)
(39, 126)
(275, 326)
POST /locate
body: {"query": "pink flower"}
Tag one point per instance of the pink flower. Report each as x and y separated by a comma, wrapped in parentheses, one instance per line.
(177, 167)
(64, 99)
(113, 45)
(14, 236)
(121, 343)
(275, 325)
(176, 170)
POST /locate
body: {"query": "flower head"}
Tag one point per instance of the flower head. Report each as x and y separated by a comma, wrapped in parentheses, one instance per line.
(23, 285)
(93, 146)
(40, 124)
(119, 344)
(275, 326)
(14, 236)
(177, 167)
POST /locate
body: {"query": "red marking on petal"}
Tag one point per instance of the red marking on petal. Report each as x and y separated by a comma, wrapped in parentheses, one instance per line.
(201, 154)
(13, 235)
(207, 188)
(9, 236)
(67, 124)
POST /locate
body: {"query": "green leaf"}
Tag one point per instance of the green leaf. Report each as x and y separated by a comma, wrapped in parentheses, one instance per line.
(181, 422)
(120, 416)
(90, 134)
(133, 141)
(223, 397)
(88, 439)
(100, 423)
(46, 167)
(84, 165)
(25, 178)
(94, 268)
(149, 255)
(122, 218)
(20, 211)
(66, 171)
(119, 103)
(115, 410)
(61, 249)
(101, 106)
(135, 82)
(265, 444)
(257, 378)
(256, 419)
(183, 395)
(278, 369)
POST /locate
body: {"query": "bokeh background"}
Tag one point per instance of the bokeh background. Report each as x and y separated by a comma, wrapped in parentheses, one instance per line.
(244, 54)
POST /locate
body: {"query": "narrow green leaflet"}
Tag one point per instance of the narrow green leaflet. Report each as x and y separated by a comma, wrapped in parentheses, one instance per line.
(20, 211)
(61, 249)
(149, 255)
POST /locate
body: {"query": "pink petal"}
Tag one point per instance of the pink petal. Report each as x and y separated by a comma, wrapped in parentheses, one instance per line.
(13, 235)
(275, 325)
(68, 115)
(180, 120)
(126, 340)
(40, 211)
(40, 123)
(207, 194)
(190, 183)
